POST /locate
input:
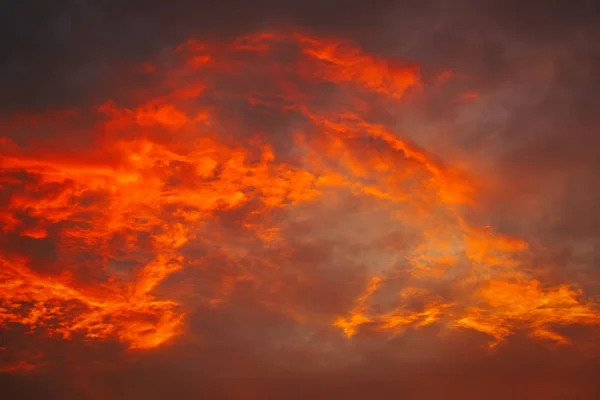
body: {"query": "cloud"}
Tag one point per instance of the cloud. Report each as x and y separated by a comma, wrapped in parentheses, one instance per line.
(269, 200)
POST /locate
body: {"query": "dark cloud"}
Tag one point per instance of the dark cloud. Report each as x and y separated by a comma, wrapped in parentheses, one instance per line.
(62, 54)
(533, 129)
(239, 363)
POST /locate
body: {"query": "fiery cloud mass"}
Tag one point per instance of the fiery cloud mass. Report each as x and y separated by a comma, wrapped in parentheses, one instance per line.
(285, 203)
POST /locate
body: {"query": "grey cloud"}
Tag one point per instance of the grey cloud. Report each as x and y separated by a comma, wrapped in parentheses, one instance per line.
(534, 128)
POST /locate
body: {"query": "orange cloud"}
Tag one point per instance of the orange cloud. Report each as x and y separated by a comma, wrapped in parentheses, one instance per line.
(120, 212)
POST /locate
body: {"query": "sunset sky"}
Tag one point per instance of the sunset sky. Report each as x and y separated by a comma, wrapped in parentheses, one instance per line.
(299, 200)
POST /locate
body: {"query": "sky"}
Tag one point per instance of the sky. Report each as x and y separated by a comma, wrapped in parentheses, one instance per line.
(279, 200)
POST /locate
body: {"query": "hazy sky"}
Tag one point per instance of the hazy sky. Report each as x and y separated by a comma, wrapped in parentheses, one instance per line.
(328, 199)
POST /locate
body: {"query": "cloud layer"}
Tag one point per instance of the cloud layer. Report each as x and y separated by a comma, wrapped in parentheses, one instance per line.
(300, 205)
